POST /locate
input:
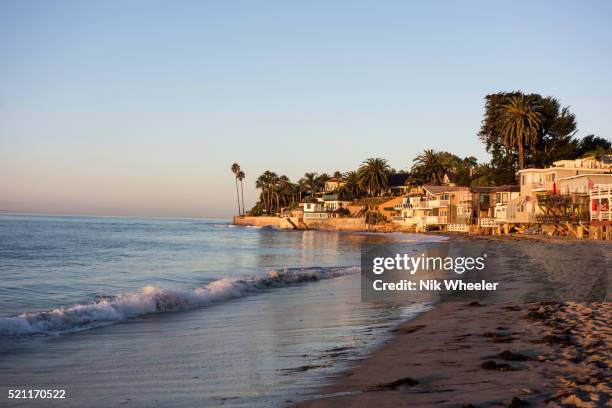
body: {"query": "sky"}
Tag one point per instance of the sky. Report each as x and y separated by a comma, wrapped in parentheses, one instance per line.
(139, 108)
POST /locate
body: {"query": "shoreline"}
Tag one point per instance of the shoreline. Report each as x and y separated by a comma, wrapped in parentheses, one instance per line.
(358, 225)
(500, 351)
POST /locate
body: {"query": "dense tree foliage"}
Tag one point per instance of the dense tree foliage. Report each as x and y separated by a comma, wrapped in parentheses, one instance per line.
(544, 128)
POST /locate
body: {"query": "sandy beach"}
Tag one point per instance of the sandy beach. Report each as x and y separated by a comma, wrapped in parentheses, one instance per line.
(512, 349)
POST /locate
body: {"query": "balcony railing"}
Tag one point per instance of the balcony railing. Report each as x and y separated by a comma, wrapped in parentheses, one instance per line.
(421, 204)
(553, 218)
(601, 216)
(316, 215)
(601, 190)
(438, 203)
(487, 222)
(402, 206)
(458, 227)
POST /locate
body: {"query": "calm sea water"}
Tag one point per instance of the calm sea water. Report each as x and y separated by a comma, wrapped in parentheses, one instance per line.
(159, 312)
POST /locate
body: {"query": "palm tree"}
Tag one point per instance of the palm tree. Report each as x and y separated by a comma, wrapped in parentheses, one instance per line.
(311, 182)
(520, 124)
(240, 176)
(352, 184)
(236, 169)
(431, 166)
(373, 176)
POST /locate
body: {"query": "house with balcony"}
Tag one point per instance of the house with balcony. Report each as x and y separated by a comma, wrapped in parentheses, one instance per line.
(557, 193)
(314, 209)
(578, 193)
(413, 210)
(327, 206)
(434, 207)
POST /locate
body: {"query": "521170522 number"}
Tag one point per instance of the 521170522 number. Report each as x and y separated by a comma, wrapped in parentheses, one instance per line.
(36, 394)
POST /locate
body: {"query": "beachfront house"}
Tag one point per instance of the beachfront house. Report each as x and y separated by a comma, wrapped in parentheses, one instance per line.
(556, 193)
(434, 207)
(413, 210)
(327, 206)
(314, 208)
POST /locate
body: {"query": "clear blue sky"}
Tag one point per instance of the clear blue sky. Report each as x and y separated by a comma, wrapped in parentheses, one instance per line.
(140, 107)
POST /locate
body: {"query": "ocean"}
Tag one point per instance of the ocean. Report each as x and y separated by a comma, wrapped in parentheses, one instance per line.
(182, 312)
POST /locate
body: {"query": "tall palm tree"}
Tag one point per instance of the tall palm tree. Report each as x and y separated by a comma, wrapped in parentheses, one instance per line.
(235, 169)
(373, 176)
(431, 166)
(520, 124)
(240, 176)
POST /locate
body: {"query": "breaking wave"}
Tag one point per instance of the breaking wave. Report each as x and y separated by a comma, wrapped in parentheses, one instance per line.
(154, 299)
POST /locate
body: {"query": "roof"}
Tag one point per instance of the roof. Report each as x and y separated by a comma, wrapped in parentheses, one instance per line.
(334, 180)
(483, 189)
(443, 189)
(398, 179)
(507, 188)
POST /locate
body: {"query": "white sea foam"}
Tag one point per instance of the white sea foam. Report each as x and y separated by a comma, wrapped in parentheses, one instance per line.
(223, 225)
(153, 299)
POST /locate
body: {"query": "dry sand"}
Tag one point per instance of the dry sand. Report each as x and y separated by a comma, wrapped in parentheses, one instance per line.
(504, 350)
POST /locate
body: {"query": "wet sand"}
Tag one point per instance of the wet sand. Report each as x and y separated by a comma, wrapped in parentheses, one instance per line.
(507, 350)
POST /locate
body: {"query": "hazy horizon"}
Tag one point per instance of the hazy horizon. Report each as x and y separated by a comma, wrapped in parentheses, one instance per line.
(140, 108)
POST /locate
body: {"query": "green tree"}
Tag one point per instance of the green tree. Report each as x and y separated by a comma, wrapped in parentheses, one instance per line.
(593, 146)
(555, 136)
(373, 176)
(430, 167)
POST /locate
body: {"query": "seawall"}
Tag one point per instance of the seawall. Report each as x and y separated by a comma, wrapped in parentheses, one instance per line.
(334, 224)
(263, 221)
